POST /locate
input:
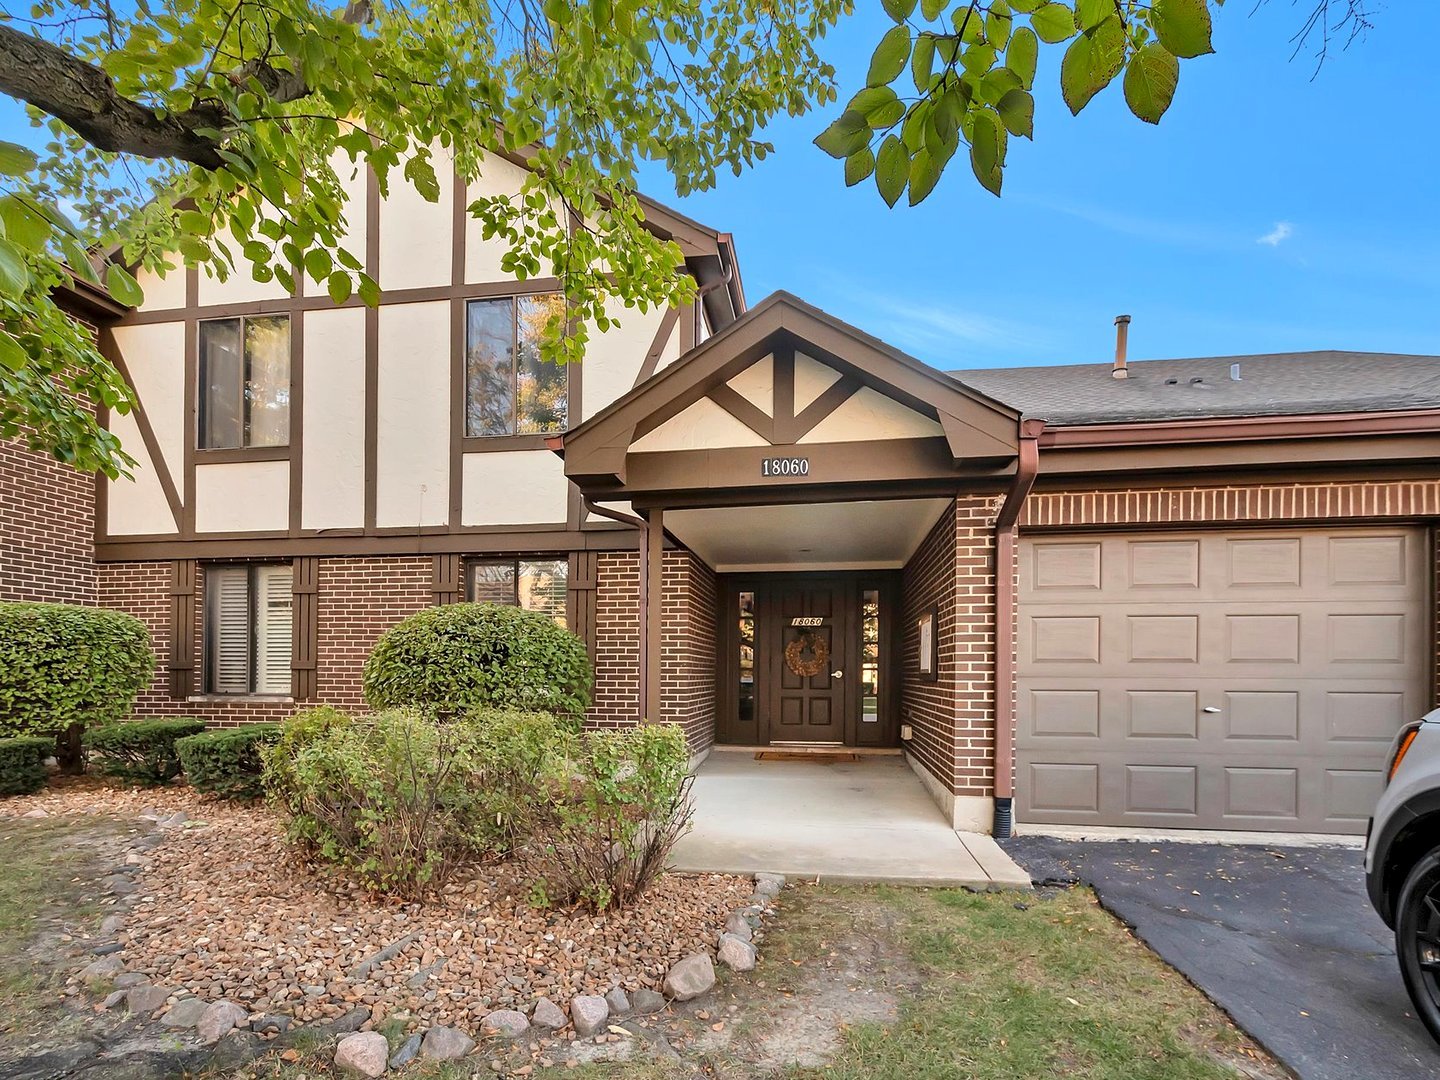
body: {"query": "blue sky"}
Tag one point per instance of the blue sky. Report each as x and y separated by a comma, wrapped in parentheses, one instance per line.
(1103, 214)
(1273, 209)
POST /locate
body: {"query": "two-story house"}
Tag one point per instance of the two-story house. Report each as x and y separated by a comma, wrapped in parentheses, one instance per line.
(1168, 593)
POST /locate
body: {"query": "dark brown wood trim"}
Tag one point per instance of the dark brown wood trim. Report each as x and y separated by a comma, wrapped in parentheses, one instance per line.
(783, 376)
(653, 569)
(233, 454)
(305, 627)
(484, 444)
(145, 549)
(657, 345)
(580, 595)
(192, 374)
(111, 351)
(297, 419)
(183, 579)
(687, 328)
(292, 304)
(1239, 458)
(1230, 429)
(834, 395)
(744, 410)
(372, 348)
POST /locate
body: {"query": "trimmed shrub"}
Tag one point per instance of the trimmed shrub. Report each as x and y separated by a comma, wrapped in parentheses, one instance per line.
(450, 660)
(142, 751)
(227, 762)
(607, 815)
(512, 751)
(22, 764)
(296, 734)
(64, 668)
(389, 798)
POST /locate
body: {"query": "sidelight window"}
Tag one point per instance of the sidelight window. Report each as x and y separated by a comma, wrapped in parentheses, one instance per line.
(870, 656)
(746, 695)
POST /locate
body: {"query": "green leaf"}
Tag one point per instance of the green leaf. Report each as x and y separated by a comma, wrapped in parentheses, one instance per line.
(859, 165)
(1091, 13)
(998, 24)
(931, 9)
(76, 257)
(922, 61)
(890, 56)
(1091, 61)
(1017, 113)
(997, 83)
(1023, 55)
(369, 291)
(892, 169)
(1054, 23)
(899, 10)
(122, 286)
(871, 100)
(987, 150)
(24, 224)
(15, 160)
(318, 264)
(14, 274)
(924, 175)
(1183, 26)
(12, 353)
(845, 136)
(1150, 80)
(339, 287)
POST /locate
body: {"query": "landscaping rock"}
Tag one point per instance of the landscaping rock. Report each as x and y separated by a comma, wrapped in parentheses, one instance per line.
(736, 953)
(144, 1000)
(185, 1013)
(175, 820)
(363, 1052)
(106, 948)
(446, 1044)
(739, 926)
(115, 997)
(112, 924)
(218, 1020)
(648, 1001)
(769, 884)
(127, 979)
(353, 1020)
(36, 813)
(407, 1053)
(236, 1050)
(548, 1015)
(278, 1024)
(120, 885)
(690, 977)
(505, 1023)
(589, 1013)
(618, 1002)
(97, 971)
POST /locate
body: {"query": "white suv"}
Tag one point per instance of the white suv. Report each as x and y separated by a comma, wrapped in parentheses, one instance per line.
(1402, 861)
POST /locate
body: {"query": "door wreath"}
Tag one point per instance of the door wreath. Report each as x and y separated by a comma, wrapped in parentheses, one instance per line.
(807, 655)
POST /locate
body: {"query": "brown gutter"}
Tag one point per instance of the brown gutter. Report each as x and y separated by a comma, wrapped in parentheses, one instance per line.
(1241, 429)
(651, 552)
(1026, 470)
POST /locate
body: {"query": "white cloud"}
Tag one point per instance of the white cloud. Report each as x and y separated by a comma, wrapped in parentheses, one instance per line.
(1282, 231)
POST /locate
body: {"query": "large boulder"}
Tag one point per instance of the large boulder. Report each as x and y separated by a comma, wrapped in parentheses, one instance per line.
(505, 1023)
(549, 1015)
(690, 977)
(445, 1044)
(589, 1013)
(363, 1052)
(218, 1020)
(736, 953)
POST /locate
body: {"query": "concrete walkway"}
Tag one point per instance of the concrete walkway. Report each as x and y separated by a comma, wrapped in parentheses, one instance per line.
(867, 821)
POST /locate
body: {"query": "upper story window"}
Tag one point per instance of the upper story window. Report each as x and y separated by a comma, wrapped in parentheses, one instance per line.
(533, 584)
(509, 390)
(245, 382)
(248, 629)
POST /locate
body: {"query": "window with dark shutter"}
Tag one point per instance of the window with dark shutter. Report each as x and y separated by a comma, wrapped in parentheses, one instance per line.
(249, 630)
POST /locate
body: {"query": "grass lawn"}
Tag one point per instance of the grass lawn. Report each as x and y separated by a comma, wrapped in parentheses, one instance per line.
(41, 861)
(1011, 987)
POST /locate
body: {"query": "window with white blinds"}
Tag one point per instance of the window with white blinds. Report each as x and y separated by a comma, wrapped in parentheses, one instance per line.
(533, 584)
(248, 629)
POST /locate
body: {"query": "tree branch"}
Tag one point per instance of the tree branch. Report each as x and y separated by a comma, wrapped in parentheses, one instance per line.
(82, 96)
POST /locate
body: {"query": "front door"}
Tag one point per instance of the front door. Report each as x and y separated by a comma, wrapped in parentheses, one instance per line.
(804, 643)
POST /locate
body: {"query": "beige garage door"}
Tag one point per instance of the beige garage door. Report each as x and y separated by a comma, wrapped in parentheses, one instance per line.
(1246, 680)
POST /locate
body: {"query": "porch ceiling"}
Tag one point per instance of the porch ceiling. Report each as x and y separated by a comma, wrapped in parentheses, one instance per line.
(878, 535)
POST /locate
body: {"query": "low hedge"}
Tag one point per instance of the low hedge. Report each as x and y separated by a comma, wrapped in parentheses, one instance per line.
(22, 764)
(229, 762)
(142, 751)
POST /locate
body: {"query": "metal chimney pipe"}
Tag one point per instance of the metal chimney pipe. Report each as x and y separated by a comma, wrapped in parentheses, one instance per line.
(1122, 334)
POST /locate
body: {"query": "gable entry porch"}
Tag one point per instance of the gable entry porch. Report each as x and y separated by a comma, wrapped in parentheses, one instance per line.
(848, 508)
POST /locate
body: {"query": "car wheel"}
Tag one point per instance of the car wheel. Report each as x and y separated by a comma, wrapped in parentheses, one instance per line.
(1417, 938)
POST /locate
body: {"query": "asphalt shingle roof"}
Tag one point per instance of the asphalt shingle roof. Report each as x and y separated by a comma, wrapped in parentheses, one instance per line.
(1273, 384)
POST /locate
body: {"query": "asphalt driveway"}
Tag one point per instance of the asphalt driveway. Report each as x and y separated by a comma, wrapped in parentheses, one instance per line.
(1283, 939)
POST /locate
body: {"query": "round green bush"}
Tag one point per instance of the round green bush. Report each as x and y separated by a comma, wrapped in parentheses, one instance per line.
(228, 762)
(22, 764)
(64, 668)
(453, 659)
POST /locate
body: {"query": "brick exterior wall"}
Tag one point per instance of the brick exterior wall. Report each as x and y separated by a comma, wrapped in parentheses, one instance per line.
(953, 717)
(47, 528)
(616, 649)
(688, 650)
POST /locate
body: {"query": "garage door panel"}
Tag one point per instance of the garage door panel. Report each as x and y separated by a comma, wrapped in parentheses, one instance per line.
(1308, 648)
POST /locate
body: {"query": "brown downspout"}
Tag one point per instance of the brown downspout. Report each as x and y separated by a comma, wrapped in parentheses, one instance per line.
(1026, 469)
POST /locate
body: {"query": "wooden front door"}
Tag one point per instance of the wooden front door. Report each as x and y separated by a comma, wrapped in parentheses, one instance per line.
(804, 643)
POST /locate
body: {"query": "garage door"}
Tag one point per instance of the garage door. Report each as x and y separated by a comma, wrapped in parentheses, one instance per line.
(1247, 680)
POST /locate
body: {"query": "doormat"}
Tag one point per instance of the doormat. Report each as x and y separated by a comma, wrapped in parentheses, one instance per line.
(800, 755)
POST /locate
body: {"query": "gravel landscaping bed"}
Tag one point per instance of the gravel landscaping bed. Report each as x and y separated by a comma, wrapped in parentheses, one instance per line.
(222, 909)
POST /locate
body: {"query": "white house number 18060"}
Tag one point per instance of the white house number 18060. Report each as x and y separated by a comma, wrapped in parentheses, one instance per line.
(785, 466)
